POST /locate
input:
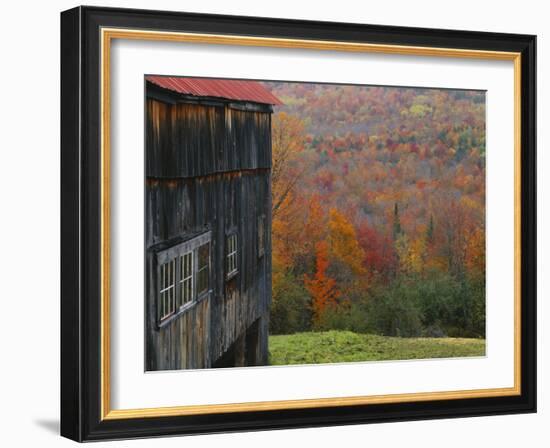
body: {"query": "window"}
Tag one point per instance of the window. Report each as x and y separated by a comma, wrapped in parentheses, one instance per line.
(261, 236)
(186, 279)
(184, 276)
(231, 255)
(167, 302)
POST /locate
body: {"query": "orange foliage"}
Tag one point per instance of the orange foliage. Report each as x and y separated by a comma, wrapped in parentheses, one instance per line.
(343, 242)
(286, 232)
(288, 138)
(321, 287)
(315, 226)
(475, 251)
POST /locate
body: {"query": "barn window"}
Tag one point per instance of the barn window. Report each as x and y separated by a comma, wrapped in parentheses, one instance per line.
(186, 279)
(184, 276)
(231, 255)
(167, 280)
(261, 236)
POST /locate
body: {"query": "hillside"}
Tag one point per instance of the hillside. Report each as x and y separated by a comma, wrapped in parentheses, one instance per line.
(378, 210)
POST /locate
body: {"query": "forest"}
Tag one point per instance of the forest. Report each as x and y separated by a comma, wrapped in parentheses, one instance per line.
(378, 211)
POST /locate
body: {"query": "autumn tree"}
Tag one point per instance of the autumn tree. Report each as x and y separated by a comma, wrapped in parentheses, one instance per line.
(379, 251)
(343, 242)
(287, 210)
(287, 138)
(412, 254)
(313, 230)
(346, 258)
(321, 287)
(475, 251)
(287, 207)
(453, 233)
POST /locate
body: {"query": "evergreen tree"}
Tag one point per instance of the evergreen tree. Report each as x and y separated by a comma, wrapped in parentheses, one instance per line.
(430, 231)
(396, 222)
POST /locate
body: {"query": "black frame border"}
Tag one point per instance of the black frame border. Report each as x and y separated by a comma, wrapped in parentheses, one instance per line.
(81, 223)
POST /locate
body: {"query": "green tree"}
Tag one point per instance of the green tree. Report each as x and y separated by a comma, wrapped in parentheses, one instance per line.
(396, 222)
(430, 231)
(290, 309)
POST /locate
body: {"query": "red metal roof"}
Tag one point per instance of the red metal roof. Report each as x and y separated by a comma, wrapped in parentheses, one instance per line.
(233, 89)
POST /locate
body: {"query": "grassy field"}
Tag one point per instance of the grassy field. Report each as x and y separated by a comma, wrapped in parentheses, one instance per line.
(346, 346)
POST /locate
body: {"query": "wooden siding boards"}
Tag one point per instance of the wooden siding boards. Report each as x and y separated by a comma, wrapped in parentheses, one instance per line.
(190, 140)
(208, 168)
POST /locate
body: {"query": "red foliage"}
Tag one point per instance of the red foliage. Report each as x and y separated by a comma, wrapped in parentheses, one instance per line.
(321, 287)
(379, 251)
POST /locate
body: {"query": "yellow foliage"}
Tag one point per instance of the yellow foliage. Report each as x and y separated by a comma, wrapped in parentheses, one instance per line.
(475, 251)
(343, 242)
(412, 254)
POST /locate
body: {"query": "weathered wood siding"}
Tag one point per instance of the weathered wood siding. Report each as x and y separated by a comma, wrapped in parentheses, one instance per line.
(189, 140)
(208, 168)
(183, 343)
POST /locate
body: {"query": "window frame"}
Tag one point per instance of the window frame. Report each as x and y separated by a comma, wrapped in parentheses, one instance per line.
(182, 279)
(234, 254)
(175, 255)
(167, 290)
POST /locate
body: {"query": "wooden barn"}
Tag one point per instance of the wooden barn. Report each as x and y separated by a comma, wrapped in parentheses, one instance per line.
(208, 222)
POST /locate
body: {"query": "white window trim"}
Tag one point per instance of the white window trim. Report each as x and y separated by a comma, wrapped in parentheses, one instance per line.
(174, 255)
(167, 294)
(232, 257)
(182, 280)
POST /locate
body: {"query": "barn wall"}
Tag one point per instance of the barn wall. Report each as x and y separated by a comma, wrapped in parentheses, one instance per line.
(221, 183)
(189, 140)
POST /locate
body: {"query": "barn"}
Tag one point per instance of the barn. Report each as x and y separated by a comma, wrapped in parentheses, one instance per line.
(208, 222)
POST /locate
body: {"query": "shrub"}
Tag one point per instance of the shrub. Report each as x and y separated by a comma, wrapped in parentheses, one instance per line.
(434, 304)
(290, 307)
(394, 311)
(352, 317)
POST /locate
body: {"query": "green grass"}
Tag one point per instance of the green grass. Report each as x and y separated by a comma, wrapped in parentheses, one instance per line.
(346, 346)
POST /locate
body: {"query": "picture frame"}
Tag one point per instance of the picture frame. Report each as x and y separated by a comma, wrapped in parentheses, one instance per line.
(87, 34)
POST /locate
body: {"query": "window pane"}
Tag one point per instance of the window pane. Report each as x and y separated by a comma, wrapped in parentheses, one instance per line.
(204, 255)
(203, 268)
(166, 298)
(202, 285)
(231, 262)
(186, 278)
(189, 264)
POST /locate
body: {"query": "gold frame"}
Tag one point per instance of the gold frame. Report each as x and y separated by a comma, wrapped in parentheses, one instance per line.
(107, 35)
